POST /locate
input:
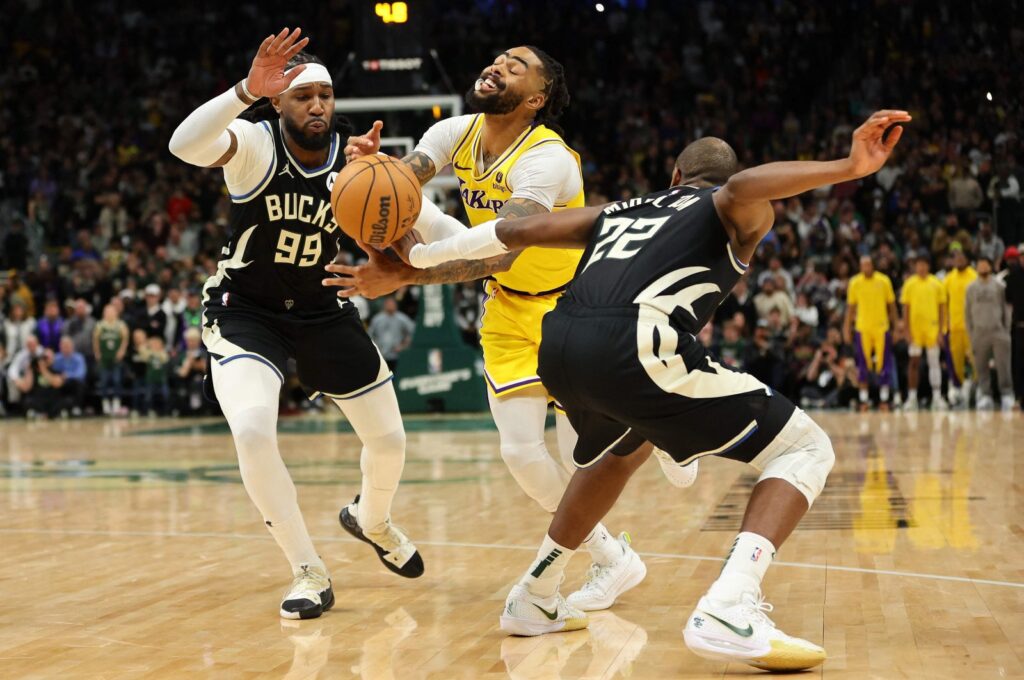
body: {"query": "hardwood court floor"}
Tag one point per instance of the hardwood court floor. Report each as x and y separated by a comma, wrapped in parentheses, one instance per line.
(130, 550)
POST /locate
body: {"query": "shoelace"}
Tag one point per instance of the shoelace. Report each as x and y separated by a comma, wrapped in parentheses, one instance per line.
(758, 611)
(309, 580)
(391, 539)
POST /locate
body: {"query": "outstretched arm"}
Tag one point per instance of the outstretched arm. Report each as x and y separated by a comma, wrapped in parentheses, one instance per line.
(744, 202)
(566, 229)
(383, 275)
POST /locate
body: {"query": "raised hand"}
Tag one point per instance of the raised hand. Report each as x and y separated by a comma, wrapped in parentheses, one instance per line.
(266, 75)
(364, 145)
(871, 148)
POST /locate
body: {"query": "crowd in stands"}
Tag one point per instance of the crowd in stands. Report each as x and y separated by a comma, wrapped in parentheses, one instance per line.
(106, 239)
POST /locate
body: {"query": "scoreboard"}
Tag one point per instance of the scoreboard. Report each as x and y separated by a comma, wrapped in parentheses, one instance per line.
(390, 55)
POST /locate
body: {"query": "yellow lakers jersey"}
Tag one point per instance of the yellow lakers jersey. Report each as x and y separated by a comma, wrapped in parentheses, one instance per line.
(956, 283)
(536, 270)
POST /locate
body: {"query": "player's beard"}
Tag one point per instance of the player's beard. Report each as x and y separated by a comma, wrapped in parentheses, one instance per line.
(309, 141)
(498, 103)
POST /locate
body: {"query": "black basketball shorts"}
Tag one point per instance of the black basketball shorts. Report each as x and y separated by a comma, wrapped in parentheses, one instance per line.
(589, 361)
(333, 354)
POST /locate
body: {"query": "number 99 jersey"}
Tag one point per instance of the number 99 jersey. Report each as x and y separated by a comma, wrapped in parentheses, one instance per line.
(283, 231)
(266, 301)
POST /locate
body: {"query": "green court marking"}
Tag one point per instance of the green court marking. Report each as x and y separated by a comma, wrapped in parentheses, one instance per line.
(302, 425)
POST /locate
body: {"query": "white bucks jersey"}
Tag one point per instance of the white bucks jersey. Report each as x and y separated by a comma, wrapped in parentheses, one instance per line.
(283, 233)
(667, 257)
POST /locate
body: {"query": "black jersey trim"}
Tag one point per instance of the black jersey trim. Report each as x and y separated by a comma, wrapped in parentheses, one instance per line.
(365, 390)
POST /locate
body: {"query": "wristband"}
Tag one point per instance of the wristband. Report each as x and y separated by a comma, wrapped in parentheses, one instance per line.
(245, 91)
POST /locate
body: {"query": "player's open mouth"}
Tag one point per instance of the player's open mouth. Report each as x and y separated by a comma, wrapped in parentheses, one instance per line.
(488, 83)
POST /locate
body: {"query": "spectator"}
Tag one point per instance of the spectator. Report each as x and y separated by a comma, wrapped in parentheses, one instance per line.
(50, 328)
(1015, 298)
(155, 318)
(988, 323)
(19, 371)
(40, 386)
(732, 349)
(764, 358)
(110, 343)
(139, 363)
(774, 271)
(70, 366)
(989, 244)
(17, 328)
(805, 312)
(965, 194)
(189, 371)
(173, 306)
(1004, 190)
(81, 327)
(192, 314)
(771, 297)
(158, 372)
(392, 331)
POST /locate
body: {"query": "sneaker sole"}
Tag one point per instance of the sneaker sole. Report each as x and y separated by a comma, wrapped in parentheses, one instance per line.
(632, 581)
(531, 628)
(780, 657)
(411, 569)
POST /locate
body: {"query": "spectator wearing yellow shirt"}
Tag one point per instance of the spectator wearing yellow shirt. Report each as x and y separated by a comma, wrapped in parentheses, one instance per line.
(924, 308)
(958, 343)
(871, 314)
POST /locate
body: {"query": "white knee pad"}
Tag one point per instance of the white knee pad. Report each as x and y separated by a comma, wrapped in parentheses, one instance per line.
(537, 473)
(383, 458)
(914, 350)
(802, 455)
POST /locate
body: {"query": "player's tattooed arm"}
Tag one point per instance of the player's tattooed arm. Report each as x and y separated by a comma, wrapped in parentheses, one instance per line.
(421, 166)
(470, 270)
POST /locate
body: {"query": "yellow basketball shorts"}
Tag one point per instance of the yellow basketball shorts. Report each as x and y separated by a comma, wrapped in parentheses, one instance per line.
(510, 337)
(923, 336)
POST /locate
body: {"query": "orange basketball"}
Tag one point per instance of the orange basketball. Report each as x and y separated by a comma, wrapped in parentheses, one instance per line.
(376, 199)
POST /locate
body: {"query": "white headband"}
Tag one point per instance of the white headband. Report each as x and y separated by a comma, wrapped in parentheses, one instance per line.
(313, 73)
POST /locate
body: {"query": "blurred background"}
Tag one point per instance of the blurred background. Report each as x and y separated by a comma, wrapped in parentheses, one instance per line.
(94, 211)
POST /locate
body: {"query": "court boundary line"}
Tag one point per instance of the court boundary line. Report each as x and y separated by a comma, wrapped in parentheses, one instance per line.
(495, 546)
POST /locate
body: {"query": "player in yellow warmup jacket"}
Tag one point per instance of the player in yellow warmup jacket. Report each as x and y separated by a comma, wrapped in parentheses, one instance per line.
(958, 343)
(871, 311)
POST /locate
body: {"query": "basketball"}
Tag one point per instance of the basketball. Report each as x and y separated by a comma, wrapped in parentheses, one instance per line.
(376, 199)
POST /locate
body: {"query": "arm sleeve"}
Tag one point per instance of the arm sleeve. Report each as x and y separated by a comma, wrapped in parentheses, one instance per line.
(547, 174)
(202, 138)
(435, 225)
(439, 141)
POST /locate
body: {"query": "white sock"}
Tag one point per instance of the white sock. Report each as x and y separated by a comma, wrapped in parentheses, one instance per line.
(378, 424)
(912, 394)
(545, 574)
(293, 538)
(935, 372)
(248, 392)
(744, 569)
(602, 546)
(883, 393)
(862, 394)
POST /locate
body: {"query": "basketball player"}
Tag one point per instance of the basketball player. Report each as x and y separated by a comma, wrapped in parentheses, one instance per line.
(511, 161)
(620, 353)
(870, 300)
(265, 305)
(924, 307)
(958, 342)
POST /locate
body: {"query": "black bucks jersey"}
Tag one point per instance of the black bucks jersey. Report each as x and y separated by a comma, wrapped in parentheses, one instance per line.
(266, 302)
(620, 350)
(283, 233)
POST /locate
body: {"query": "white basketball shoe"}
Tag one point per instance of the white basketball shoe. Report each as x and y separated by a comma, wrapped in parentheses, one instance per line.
(527, 614)
(310, 594)
(605, 583)
(743, 632)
